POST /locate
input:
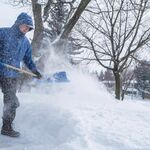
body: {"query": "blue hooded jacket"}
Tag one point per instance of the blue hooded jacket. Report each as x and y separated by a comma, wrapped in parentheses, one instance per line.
(15, 47)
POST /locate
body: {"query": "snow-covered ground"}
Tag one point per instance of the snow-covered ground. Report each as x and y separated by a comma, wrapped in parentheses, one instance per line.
(79, 115)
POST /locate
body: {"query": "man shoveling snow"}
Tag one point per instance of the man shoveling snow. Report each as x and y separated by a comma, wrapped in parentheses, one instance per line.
(14, 48)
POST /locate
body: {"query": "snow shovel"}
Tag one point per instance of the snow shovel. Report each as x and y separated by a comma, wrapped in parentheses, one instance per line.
(56, 77)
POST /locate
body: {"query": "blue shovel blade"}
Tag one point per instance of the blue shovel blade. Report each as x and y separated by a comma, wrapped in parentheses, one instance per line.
(58, 77)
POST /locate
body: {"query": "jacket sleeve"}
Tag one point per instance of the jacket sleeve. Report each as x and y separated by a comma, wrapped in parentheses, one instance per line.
(1, 37)
(28, 59)
(1, 33)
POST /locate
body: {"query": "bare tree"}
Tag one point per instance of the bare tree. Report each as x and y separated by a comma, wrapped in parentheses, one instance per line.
(20, 2)
(114, 34)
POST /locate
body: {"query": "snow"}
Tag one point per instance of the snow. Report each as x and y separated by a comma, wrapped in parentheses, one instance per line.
(79, 115)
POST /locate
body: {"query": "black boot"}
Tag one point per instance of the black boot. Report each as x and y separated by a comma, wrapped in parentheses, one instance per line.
(7, 129)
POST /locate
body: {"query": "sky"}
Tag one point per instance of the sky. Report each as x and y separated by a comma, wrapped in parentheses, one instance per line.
(8, 14)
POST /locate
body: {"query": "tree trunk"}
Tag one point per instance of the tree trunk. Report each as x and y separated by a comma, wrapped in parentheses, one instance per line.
(143, 93)
(117, 85)
(38, 32)
(122, 95)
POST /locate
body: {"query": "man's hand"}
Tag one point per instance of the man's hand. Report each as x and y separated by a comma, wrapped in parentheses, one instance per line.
(38, 75)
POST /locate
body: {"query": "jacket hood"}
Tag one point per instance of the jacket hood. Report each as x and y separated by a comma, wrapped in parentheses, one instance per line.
(24, 18)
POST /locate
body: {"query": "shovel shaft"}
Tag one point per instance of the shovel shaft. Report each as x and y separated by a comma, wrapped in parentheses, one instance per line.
(20, 70)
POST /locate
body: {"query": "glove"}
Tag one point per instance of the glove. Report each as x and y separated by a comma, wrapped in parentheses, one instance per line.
(38, 75)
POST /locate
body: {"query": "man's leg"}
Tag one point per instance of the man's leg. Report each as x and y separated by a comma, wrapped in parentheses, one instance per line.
(10, 105)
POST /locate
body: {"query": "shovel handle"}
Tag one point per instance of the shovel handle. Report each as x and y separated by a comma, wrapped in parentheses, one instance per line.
(20, 70)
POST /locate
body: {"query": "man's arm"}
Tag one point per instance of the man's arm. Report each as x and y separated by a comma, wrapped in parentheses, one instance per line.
(29, 62)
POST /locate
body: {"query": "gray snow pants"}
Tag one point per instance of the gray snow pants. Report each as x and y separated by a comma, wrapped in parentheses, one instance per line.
(9, 88)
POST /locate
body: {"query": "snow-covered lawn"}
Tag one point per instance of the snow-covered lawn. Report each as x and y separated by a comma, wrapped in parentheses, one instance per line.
(79, 115)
